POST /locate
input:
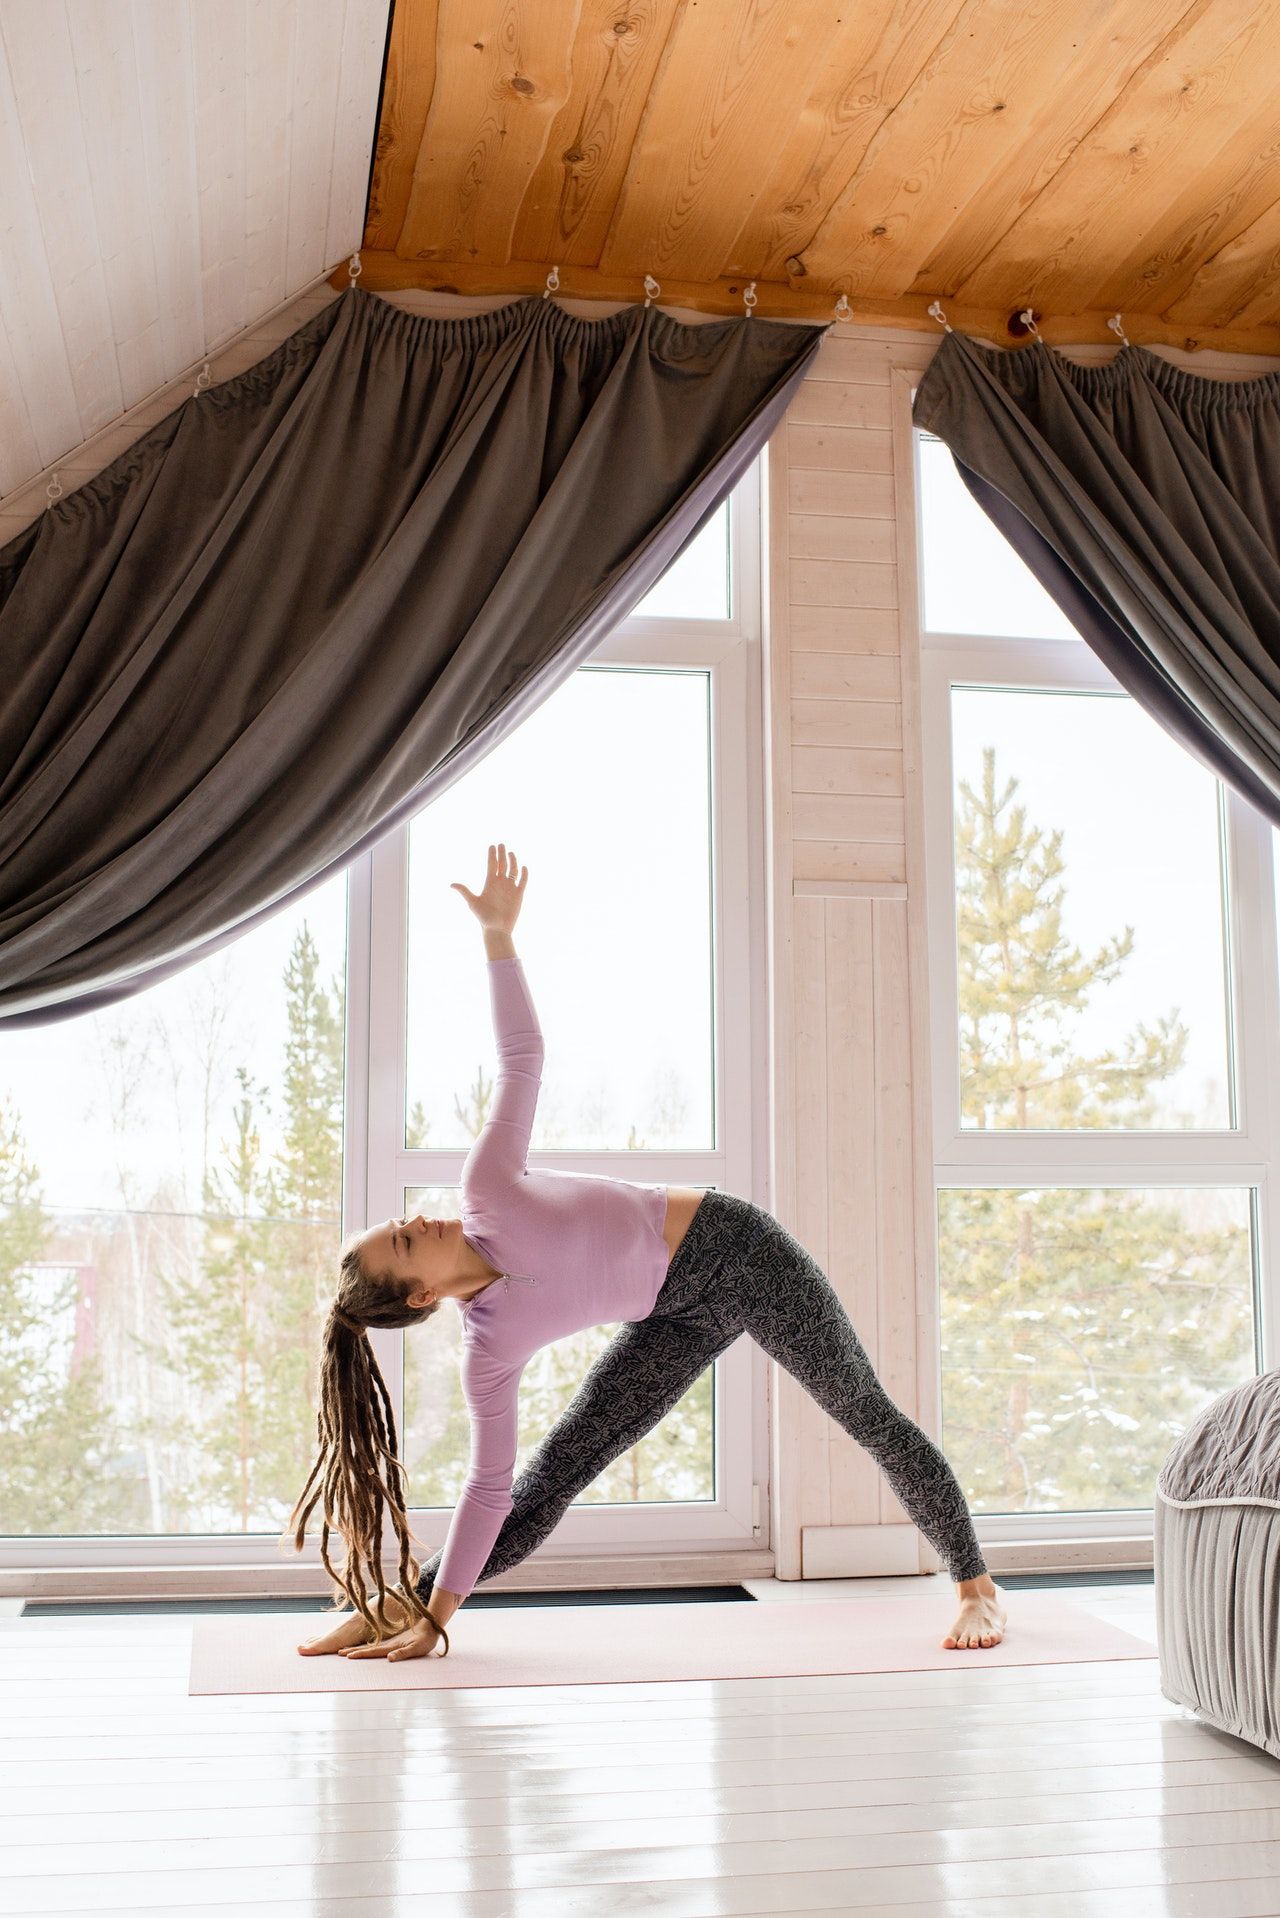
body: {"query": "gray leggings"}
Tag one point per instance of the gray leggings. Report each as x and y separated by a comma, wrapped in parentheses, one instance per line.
(736, 1270)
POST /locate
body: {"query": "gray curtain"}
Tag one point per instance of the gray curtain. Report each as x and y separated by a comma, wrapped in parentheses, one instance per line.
(1146, 500)
(313, 596)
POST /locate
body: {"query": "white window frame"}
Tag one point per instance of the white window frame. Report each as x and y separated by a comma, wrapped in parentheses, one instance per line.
(1247, 1156)
(376, 1166)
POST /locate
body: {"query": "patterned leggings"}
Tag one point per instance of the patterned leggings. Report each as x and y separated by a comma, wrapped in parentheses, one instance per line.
(736, 1270)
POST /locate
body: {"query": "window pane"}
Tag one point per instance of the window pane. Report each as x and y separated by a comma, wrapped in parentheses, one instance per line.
(675, 1461)
(695, 585)
(1089, 918)
(604, 793)
(974, 582)
(170, 1201)
(1082, 1332)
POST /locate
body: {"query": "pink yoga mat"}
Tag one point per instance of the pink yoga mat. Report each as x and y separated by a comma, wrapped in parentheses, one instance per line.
(635, 1644)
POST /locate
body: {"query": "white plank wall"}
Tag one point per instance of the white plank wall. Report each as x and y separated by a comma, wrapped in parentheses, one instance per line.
(851, 1167)
(168, 175)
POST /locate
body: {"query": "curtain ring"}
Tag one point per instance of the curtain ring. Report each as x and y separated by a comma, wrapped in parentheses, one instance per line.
(749, 298)
(1116, 327)
(843, 309)
(202, 381)
(651, 288)
(354, 268)
(936, 313)
(1029, 321)
(53, 490)
(553, 282)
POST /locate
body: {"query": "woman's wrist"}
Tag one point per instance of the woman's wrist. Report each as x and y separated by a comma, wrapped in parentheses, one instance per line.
(498, 943)
(442, 1605)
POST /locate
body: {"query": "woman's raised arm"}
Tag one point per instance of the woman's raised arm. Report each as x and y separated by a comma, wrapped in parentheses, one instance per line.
(500, 1153)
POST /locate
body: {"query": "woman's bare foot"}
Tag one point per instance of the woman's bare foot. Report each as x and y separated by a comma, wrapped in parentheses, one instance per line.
(351, 1630)
(982, 1617)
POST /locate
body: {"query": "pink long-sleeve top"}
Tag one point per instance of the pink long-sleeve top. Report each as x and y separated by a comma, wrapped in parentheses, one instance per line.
(575, 1248)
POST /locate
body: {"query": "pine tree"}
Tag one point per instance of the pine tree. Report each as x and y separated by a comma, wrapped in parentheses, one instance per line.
(216, 1323)
(57, 1437)
(246, 1332)
(305, 1196)
(1082, 1329)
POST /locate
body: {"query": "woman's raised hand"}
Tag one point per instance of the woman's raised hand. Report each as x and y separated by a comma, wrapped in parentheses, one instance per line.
(498, 906)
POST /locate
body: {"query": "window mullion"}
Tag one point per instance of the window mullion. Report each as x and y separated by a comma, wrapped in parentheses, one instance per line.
(1257, 1020)
(355, 1113)
(385, 1138)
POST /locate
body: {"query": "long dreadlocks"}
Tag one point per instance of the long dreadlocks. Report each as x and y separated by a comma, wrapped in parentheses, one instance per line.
(356, 1428)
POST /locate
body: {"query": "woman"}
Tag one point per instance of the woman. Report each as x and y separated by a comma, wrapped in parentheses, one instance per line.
(687, 1271)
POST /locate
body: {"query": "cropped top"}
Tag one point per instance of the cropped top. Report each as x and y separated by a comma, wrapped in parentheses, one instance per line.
(576, 1249)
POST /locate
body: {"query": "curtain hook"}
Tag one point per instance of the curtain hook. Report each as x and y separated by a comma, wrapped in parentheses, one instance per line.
(53, 490)
(749, 298)
(651, 288)
(354, 269)
(843, 309)
(1028, 319)
(553, 282)
(1116, 327)
(202, 381)
(936, 313)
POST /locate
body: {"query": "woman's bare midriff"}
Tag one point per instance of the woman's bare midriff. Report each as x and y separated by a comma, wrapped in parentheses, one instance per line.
(682, 1203)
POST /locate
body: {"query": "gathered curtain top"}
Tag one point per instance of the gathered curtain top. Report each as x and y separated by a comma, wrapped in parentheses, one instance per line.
(1020, 368)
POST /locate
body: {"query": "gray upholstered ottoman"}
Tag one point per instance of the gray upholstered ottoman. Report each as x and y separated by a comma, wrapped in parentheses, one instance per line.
(1217, 1564)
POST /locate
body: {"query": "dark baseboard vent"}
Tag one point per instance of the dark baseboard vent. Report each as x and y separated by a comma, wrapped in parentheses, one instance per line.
(635, 1595)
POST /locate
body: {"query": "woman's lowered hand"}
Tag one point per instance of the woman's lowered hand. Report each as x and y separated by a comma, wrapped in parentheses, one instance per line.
(418, 1640)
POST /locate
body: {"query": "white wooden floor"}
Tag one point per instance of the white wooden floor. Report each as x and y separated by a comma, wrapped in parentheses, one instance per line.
(1029, 1792)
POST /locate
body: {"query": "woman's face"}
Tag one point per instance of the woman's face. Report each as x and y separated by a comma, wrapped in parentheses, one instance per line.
(425, 1250)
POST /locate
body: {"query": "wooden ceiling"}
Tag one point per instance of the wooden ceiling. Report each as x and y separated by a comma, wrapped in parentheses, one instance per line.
(1080, 157)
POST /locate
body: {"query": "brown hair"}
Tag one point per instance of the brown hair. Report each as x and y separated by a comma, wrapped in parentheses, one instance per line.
(356, 1428)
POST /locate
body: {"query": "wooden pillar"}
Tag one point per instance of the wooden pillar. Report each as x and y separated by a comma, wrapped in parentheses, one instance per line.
(851, 1150)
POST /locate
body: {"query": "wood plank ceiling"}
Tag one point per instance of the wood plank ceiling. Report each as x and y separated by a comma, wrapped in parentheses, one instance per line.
(1076, 156)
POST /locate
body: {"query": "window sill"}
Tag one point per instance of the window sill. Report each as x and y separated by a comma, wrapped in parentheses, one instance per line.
(562, 1573)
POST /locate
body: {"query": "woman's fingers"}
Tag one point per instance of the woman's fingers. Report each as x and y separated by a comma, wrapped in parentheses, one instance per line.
(504, 884)
(407, 1644)
(378, 1651)
(350, 1631)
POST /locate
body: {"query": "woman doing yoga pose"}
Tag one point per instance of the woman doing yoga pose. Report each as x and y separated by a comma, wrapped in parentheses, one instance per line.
(535, 1256)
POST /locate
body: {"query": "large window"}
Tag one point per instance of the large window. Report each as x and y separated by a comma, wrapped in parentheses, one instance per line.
(170, 1208)
(1103, 987)
(176, 1173)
